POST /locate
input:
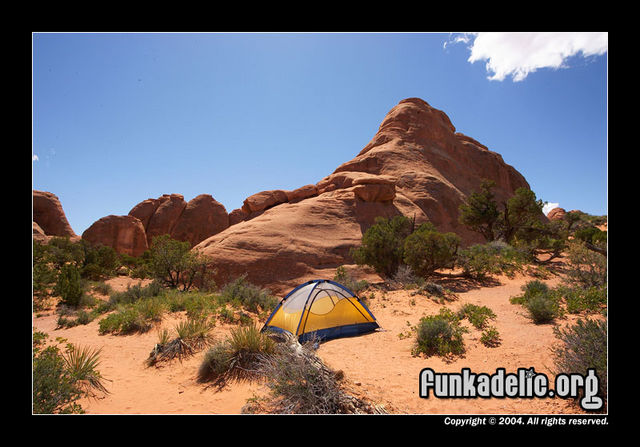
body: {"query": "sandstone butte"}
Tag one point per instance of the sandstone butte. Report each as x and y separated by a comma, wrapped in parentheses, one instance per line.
(416, 164)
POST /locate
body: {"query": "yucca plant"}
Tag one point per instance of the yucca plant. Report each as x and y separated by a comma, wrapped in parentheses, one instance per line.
(236, 357)
(192, 336)
(82, 364)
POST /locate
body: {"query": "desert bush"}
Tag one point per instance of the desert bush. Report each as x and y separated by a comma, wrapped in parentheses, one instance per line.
(301, 383)
(583, 346)
(174, 264)
(236, 357)
(542, 308)
(586, 268)
(192, 336)
(250, 296)
(69, 285)
(59, 380)
(493, 258)
(135, 293)
(383, 244)
(407, 278)
(137, 317)
(439, 334)
(490, 337)
(577, 299)
(478, 316)
(346, 279)
(427, 250)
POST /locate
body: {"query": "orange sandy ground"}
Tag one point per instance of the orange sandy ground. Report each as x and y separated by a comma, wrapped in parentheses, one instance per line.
(377, 365)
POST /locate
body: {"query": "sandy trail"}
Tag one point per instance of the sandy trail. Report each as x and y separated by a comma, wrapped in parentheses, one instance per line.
(379, 365)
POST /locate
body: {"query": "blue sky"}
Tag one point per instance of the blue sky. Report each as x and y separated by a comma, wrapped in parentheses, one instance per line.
(119, 118)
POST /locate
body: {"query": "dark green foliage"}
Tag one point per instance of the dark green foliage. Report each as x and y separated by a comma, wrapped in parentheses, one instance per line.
(175, 265)
(542, 303)
(135, 293)
(583, 346)
(253, 298)
(490, 337)
(69, 285)
(60, 379)
(478, 316)
(383, 244)
(493, 258)
(54, 390)
(99, 262)
(480, 212)
(439, 335)
(427, 250)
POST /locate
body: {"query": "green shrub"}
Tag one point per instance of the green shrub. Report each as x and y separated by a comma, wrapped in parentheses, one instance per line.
(493, 258)
(69, 285)
(343, 277)
(60, 380)
(236, 357)
(383, 244)
(586, 268)
(439, 335)
(583, 346)
(252, 297)
(490, 337)
(135, 293)
(478, 315)
(542, 308)
(125, 320)
(175, 265)
(427, 250)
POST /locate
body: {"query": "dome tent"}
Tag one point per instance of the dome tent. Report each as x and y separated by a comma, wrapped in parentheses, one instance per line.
(321, 309)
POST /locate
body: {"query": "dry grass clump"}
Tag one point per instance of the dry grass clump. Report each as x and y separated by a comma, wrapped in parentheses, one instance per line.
(192, 336)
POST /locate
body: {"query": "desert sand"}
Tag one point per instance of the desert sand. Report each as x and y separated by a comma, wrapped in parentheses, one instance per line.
(378, 365)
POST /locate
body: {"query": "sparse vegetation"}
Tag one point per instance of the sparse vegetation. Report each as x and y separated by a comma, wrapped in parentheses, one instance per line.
(243, 293)
(478, 316)
(343, 277)
(427, 250)
(60, 379)
(440, 334)
(493, 258)
(236, 357)
(192, 336)
(175, 265)
(583, 346)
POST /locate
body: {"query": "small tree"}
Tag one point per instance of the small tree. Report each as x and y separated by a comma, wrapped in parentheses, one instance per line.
(480, 213)
(69, 285)
(427, 250)
(174, 264)
(383, 244)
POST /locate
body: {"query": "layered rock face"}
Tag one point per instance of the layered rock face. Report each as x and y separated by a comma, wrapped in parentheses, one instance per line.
(48, 217)
(194, 221)
(124, 233)
(416, 165)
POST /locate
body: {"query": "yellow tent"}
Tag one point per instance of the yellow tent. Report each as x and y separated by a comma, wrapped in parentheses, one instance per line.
(321, 309)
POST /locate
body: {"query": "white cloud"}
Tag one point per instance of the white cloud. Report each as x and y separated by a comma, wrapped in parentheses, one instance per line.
(35, 158)
(548, 207)
(520, 54)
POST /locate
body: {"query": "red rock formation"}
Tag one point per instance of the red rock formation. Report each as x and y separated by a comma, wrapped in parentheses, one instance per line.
(416, 165)
(48, 214)
(202, 217)
(557, 214)
(168, 210)
(124, 233)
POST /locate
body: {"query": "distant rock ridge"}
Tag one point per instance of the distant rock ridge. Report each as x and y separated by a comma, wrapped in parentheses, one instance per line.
(416, 164)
